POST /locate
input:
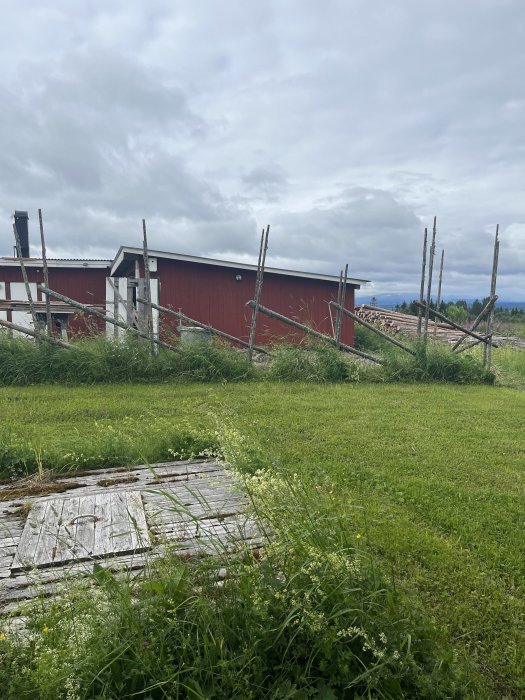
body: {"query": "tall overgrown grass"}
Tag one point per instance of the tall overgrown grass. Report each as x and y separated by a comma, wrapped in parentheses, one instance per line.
(509, 363)
(435, 362)
(367, 341)
(97, 360)
(317, 362)
(310, 615)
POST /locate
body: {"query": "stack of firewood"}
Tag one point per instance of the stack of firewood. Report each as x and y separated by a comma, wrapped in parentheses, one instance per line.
(394, 322)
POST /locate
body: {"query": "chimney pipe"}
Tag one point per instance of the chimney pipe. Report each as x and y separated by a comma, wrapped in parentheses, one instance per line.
(21, 219)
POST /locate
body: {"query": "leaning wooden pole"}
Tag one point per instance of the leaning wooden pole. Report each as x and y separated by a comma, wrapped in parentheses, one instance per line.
(95, 312)
(455, 325)
(258, 288)
(339, 292)
(26, 281)
(422, 288)
(49, 322)
(339, 319)
(221, 334)
(429, 288)
(486, 309)
(147, 288)
(28, 331)
(487, 354)
(310, 331)
(470, 345)
(438, 298)
(116, 296)
(372, 328)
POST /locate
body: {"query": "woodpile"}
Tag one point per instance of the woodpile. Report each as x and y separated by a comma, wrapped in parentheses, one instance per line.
(395, 322)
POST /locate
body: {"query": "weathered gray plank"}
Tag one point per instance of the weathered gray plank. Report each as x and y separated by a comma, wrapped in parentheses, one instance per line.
(8, 549)
(45, 581)
(160, 520)
(137, 517)
(210, 528)
(192, 492)
(46, 548)
(102, 541)
(84, 533)
(67, 535)
(31, 535)
(11, 535)
(120, 526)
(174, 501)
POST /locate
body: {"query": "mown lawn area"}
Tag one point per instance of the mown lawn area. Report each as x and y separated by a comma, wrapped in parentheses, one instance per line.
(433, 475)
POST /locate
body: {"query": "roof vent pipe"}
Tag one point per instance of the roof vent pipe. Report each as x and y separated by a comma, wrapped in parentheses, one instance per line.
(21, 219)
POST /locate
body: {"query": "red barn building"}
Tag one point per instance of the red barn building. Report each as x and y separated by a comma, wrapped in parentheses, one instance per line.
(210, 291)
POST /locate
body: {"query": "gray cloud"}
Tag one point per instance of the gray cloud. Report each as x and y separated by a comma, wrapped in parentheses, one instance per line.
(345, 125)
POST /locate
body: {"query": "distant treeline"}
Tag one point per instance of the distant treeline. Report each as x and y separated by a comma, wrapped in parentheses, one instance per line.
(461, 310)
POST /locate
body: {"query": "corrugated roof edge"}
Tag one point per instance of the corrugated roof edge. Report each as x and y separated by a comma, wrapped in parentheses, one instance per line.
(57, 262)
(138, 252)
(119, 259)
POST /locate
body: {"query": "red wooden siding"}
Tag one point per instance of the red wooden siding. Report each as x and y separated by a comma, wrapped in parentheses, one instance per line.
(211, 294)
(84, 284)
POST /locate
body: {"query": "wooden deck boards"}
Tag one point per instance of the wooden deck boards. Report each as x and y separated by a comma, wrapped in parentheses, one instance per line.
(82, 527)
(121, 518)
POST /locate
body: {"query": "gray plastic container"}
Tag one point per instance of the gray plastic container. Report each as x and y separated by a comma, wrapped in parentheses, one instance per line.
(193, 335)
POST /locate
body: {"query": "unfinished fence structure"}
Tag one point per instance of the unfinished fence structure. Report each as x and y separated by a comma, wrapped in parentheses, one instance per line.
(430, 321)
(156, 295)
(127, 301)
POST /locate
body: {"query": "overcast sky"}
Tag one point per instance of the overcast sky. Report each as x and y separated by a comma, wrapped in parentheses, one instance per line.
(346, 125)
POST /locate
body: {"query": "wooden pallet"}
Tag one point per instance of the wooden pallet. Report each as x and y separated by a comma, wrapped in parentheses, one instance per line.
(122, 519)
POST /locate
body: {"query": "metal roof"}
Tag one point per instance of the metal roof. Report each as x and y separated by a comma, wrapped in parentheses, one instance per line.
(126, 254)
(56, 262)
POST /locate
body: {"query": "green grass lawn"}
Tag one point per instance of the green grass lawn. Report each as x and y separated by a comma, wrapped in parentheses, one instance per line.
(433, 476)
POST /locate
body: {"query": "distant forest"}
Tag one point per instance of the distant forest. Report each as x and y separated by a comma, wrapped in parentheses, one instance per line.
(461, 311)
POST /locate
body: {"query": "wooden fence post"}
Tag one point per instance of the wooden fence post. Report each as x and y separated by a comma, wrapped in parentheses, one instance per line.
(341, 302)
(258, 288)
(422, 289)
(487, 354)
(49, 321)
(438, 299)
(26, 281)
(430, 269)
(147, 290)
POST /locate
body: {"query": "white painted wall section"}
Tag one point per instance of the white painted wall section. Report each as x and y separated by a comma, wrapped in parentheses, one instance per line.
(3, 314)
(116, 299)
(19, 293)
